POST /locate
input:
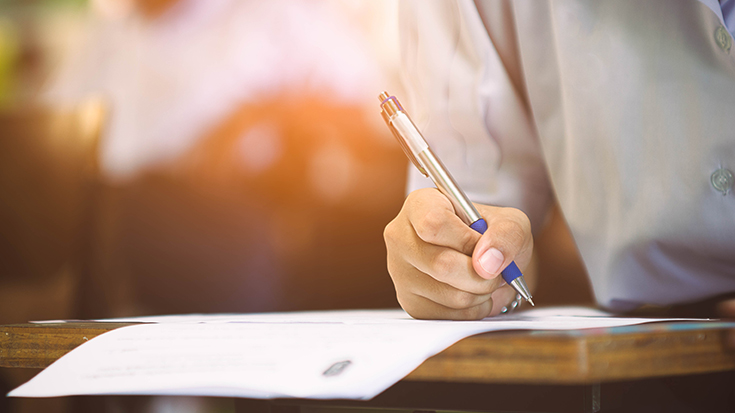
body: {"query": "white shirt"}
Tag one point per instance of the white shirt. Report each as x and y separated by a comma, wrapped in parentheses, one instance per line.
(621, 109)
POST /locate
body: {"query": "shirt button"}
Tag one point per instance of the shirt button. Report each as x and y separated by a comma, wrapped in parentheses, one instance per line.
(723, 39)
(722, 180)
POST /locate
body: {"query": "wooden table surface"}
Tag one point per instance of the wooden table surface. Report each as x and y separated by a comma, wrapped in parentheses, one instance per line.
(566, 357)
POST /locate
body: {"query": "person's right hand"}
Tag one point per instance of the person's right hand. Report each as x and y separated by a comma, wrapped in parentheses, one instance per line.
(443, 269)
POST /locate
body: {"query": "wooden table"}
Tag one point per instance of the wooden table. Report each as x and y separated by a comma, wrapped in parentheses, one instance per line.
(502, 371)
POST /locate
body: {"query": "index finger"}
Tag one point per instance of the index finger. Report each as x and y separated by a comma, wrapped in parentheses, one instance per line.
(434, 221)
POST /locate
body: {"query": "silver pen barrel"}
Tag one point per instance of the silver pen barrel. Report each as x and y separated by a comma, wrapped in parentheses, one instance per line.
(446, 184)
(418, 151)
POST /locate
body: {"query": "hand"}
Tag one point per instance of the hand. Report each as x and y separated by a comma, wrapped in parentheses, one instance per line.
(443, 269)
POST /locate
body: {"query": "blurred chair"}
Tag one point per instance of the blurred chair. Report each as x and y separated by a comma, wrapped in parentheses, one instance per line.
(48, 166)
(48, 171)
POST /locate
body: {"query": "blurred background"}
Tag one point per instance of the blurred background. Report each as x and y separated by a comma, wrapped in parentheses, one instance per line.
(217, 156)
(185, 156)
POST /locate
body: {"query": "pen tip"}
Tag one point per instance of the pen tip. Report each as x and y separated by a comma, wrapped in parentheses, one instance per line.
(530, 301)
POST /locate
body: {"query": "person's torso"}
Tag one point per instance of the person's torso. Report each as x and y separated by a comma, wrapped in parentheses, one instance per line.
(634, 104)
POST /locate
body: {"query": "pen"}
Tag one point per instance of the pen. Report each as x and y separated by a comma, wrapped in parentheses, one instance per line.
(418, 151)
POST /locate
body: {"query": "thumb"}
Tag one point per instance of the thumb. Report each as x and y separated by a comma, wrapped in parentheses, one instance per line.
(507, 238)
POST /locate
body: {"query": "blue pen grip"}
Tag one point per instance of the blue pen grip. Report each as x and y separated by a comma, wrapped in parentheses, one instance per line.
(480, 226)
(511, 272)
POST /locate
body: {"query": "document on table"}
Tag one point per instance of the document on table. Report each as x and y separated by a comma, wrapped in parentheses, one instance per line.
(331, 354)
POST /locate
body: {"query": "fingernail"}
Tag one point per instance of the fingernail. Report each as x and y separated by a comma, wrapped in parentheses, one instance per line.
(491, 260)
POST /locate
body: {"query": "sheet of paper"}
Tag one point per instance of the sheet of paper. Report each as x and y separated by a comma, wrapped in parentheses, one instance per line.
(331, 354)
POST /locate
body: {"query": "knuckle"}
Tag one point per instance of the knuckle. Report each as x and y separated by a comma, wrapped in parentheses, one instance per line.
(418, 308)
(513, 233)
(522, 220)
(477, 312)
(389, 232)
(420, 195)
(442, 264)
(429, 225)
(409, 306)
(412, 198)
(404, 301)
(402, 274)
(461, 300)
(391, 266)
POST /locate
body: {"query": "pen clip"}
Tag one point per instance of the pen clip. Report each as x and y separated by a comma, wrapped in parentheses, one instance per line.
(390, 104)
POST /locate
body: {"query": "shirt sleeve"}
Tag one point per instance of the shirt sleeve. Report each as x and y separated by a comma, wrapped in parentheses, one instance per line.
(466, 94)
